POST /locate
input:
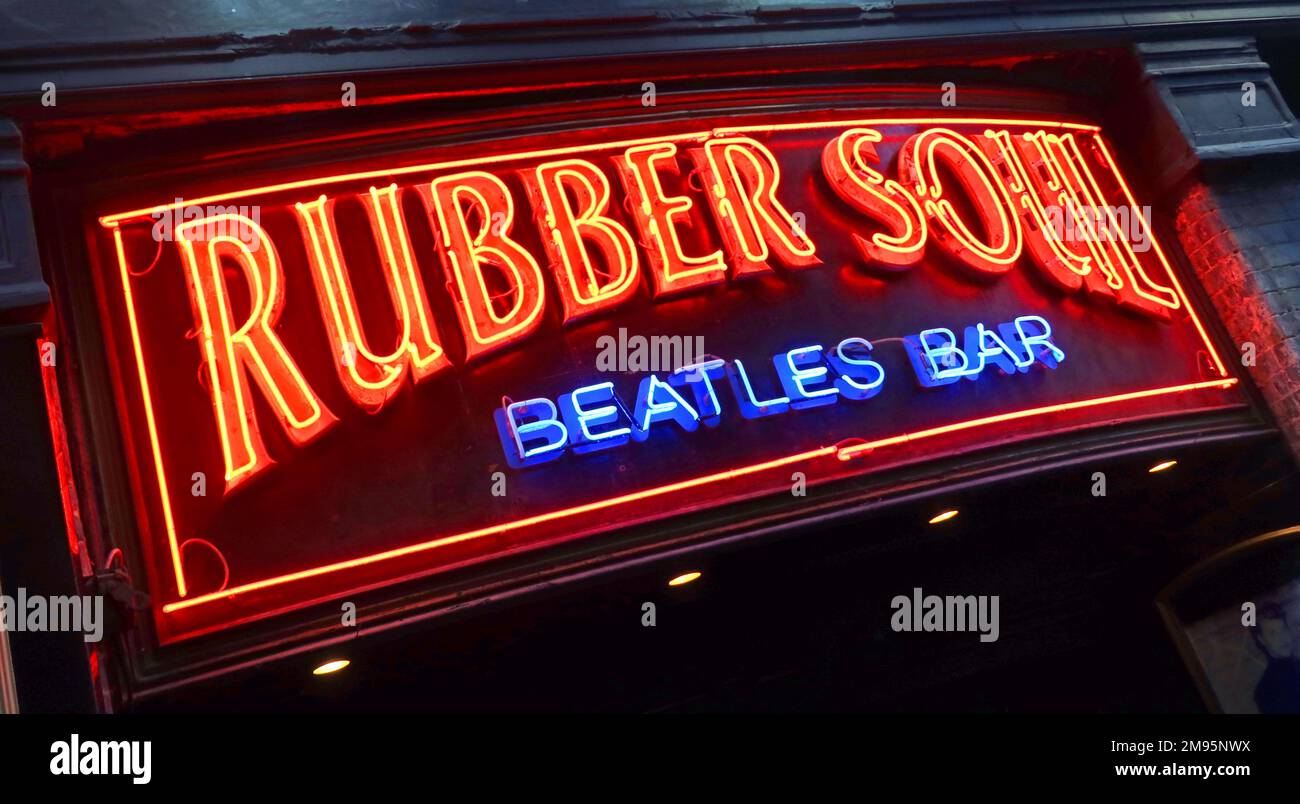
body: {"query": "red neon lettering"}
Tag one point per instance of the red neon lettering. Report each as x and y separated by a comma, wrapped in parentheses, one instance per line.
(741, 178)
(1134, 288)
(478, 195)
(1103, 279)
(233, 352)
(1047, 171)
(370, 378)
(918, 165)
(1034, 183)
(570, 198)
(846, 162)
(657, 216)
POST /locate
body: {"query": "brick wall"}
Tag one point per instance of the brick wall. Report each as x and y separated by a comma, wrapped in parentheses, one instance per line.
(1241, 230)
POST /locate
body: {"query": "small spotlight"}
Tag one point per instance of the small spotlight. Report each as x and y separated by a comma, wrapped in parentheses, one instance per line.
(944, 517)
(1163, 465)
(332, 666)
(684, 578)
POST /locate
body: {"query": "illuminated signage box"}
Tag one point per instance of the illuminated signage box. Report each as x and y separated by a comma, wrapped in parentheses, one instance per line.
(360, 375)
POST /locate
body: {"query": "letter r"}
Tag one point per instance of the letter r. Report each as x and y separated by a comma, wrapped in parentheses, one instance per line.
(235, 351)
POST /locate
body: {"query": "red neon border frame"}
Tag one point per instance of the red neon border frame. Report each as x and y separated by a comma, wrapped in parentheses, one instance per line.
(112, 222)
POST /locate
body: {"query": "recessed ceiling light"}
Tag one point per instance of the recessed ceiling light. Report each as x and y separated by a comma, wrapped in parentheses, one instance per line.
(943, 517)
(684, 578)
(332, 666)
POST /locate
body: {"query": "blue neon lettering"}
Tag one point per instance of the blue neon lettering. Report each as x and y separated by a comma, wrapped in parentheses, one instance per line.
(750, 406)
(989, 347)
(921, 349)
(1049, 354)
(593, 417)
(543, 424)
(860, 378)
(657, 401)
(699, 378)
(799, 368)
(580, 420)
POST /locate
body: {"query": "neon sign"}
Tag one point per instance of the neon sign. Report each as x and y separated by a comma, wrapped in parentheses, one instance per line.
(592, 417)
(374, 333)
